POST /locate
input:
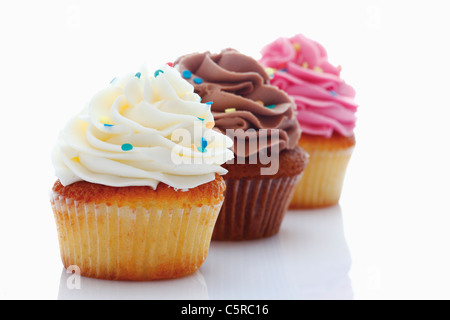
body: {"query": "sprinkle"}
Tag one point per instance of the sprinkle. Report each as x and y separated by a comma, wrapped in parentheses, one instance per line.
(187, 74)
(193, 147)
(127, 147)
(296, 46)
(114, 79)
(76, 159)
(108, 125)
(198, 80)
(271, 106)
(210, 124)
(333, 93)
(230, 110)
(157, 72)
(209, 103)
(200, 119)
(270, 72)
(284, 70)
(260, 103)
(318, 69)
(138, 75)
(202, 148)
(170, 64)
(305, 65)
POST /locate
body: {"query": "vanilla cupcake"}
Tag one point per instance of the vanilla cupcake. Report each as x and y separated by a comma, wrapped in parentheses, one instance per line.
(139, 182)
(325, 110)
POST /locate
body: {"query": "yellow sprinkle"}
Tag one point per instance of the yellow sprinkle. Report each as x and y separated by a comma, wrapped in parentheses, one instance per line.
(305, 65)
(76, 159)
(260, 103)
(318, 69)
(210, 124)
(230, 110)
(104, 120)
(296, 46)
(270, 71)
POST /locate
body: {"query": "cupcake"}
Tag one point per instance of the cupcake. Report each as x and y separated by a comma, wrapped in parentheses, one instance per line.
(140, 180)
(262, 122)
(326, 113)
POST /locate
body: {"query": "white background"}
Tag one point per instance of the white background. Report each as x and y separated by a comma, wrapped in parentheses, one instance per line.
(388, 239)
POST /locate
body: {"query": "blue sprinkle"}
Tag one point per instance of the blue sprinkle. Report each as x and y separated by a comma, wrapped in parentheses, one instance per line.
(271, 106)
(198, 80)
(204, 143)
(203, 150)
(187, 74)
(127, 147)
(157, 72)
(333, 93)
(283, 70)
(209, 103)
(108, 125)
(138, 75)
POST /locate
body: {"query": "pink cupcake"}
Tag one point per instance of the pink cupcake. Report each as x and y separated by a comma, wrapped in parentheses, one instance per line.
(326, 113)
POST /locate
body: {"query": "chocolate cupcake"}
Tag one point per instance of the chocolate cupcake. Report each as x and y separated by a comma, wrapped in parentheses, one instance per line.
(261, 120)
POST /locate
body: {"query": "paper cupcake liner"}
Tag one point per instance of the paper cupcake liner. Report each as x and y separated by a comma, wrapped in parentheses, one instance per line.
(123, 243)
(321, 184)
(254, 208)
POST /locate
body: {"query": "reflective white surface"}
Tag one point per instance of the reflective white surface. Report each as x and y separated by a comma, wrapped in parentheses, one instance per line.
(309, 259)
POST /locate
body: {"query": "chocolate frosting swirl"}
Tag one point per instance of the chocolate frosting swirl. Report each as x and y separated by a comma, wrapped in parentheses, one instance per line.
(243, 99)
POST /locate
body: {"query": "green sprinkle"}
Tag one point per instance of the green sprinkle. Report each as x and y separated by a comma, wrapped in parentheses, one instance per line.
(138, 75)
(157, 72)
(127, 147)
(271, 106)
(200, 119)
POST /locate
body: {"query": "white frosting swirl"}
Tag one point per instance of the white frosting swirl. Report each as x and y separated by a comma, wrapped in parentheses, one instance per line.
(142, 130)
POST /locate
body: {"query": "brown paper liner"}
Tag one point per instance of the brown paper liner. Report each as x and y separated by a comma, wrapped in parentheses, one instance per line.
(122, 243)
(254, 208)
(323, 178)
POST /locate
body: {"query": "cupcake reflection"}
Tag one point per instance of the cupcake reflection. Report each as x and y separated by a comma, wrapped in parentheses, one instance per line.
(317, 258)
(308, 259)
(75, 287)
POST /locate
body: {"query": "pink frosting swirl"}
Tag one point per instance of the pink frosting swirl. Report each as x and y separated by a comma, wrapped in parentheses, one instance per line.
(325, 103)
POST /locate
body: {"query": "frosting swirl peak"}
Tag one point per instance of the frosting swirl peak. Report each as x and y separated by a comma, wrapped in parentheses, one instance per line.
(142, 130)
(325, 103)
(243, 100)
